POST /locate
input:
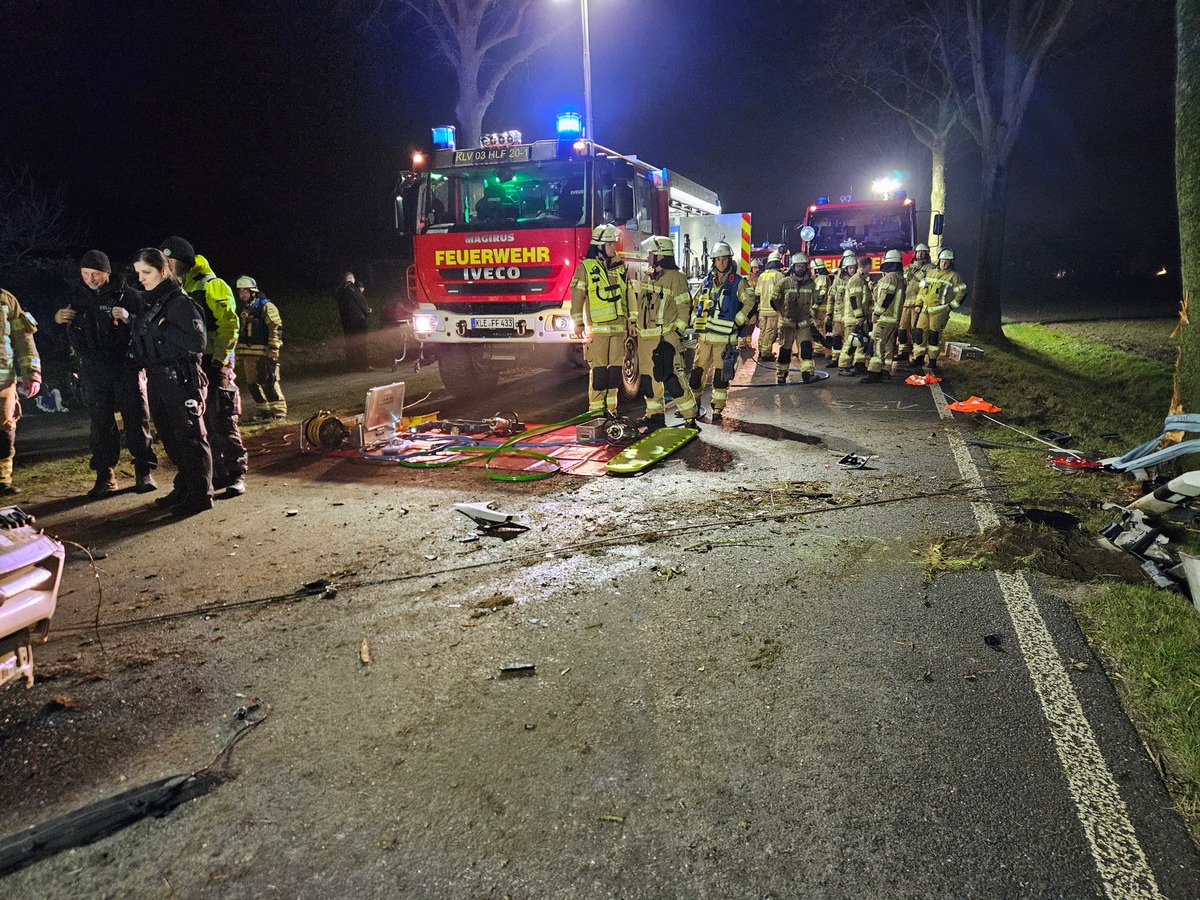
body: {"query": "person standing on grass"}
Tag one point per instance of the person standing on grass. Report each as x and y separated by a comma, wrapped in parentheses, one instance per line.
(113, 384)
(353, 312)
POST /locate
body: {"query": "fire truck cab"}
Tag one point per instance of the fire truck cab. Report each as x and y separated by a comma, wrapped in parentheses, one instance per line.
(868, 227)
(497, 232)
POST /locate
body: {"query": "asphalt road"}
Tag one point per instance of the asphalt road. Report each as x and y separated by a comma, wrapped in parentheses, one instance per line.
(744, 685)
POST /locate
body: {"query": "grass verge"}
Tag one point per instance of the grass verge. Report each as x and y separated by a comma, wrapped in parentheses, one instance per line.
(1092, 380)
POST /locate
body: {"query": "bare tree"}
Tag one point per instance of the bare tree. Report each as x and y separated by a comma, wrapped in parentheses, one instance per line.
(913, 68)
(483, 40)
(1187, 186)
(31, 220)
(1008, 41)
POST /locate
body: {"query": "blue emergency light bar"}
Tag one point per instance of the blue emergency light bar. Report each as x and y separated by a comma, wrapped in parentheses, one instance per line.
(568, 125)
(900, 195)
(821, 201)
(443, 137)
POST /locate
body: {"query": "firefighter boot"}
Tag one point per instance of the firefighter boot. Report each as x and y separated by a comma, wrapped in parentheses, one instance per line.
(106, 483)
(653, 422)
(873, 378)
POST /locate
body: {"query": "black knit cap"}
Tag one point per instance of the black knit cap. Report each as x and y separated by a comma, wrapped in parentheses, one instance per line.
(177, 248)
(95, 259)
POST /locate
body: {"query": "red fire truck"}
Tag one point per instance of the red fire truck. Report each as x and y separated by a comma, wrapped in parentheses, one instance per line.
(497, 233)
(868, 227)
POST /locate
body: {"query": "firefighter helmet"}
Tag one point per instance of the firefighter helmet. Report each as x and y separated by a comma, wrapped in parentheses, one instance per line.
(662, 246)
(819, 263)
(946, 253)
(893, 256)
(245, 281)
(920, 247)
(799, 259)
(605, 234)
(721, 248)
(774, 256)
(848, 261)
(847, 252)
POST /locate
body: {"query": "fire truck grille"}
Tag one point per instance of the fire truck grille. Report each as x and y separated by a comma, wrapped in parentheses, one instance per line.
(498, 309)
(496, 288)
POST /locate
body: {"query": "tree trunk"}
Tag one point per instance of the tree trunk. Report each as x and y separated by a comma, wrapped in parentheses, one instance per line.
(985, 291)
(1187, 186)
(937, 192)
(470, 106)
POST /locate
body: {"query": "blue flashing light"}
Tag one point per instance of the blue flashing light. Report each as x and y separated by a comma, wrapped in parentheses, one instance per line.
(569, 125)
(443, 137)
(821, 201)
(900, 195)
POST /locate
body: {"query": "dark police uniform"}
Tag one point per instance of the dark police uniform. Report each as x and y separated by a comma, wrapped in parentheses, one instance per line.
(112, 382)
(168, 338)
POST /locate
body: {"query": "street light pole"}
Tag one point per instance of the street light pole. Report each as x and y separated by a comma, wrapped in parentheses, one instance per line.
(587, 74)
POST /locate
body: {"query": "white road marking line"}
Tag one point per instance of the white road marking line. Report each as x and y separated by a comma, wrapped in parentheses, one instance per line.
(1119, 857)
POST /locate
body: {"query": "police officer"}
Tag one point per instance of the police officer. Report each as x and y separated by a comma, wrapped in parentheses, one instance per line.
(889, 301)
(600, 313)
(855, 309)
(662, 308)
(766, 292)
(112, 382)
(20, 369)
(724, 304)
(798, 297)
(223, 404)
(260, 338)
(913, 273)
(168, 338)
(942, 290)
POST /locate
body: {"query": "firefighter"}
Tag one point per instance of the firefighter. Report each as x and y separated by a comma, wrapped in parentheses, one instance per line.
(942, 290)
(662, 308)
(855, 318)
(798, 297)
(744, 334)
(821, 282)
(260, 338)
(223, 403)
(20, 368)
(114, 387)
(600, 313)
(766, 292)
(913, 273)
(886, 310)
(168, 339)
(835, 328)
(724, 304)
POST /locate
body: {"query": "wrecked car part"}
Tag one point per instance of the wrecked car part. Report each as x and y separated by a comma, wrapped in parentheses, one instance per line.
(853, 461)
(100, 819)
(518, 670)
(31, 567)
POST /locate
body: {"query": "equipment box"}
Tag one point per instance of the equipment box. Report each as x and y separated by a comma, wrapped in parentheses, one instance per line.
(956, 351)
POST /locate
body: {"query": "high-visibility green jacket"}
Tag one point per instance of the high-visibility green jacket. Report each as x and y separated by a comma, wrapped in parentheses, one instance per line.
(220, 309)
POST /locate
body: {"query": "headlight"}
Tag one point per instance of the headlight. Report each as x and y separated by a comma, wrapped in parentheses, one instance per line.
(560, 323)
(425, 323)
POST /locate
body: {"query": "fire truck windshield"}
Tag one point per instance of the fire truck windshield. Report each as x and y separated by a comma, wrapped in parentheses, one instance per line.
(523, 195)
(872, 228)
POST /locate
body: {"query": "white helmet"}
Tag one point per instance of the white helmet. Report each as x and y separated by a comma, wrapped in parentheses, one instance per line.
(946, 254)
(848, 261)
(245, 281)
(799, 259)
(605, 234)
(721, 248)
(920, 247)
(662, 246)
(819, 264)
(893, 256)
(847, 252)
(774, 256)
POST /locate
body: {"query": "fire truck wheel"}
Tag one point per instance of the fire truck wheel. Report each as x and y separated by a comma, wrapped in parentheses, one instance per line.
(631, 378)
(464, 369)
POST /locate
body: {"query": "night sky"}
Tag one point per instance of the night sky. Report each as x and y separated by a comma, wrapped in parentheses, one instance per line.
(270, 133)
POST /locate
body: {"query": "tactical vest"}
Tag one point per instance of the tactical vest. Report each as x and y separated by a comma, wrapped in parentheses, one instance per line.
(722, 307)
(256, 321)
(93, 329)
(147, 347)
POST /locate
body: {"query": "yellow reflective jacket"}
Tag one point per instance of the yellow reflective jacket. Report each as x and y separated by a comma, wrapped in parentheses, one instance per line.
(767, 291)
(942, 288)
(662, 306)
(889, 297)
(220, 309)
(798, 299)
(606, 292)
